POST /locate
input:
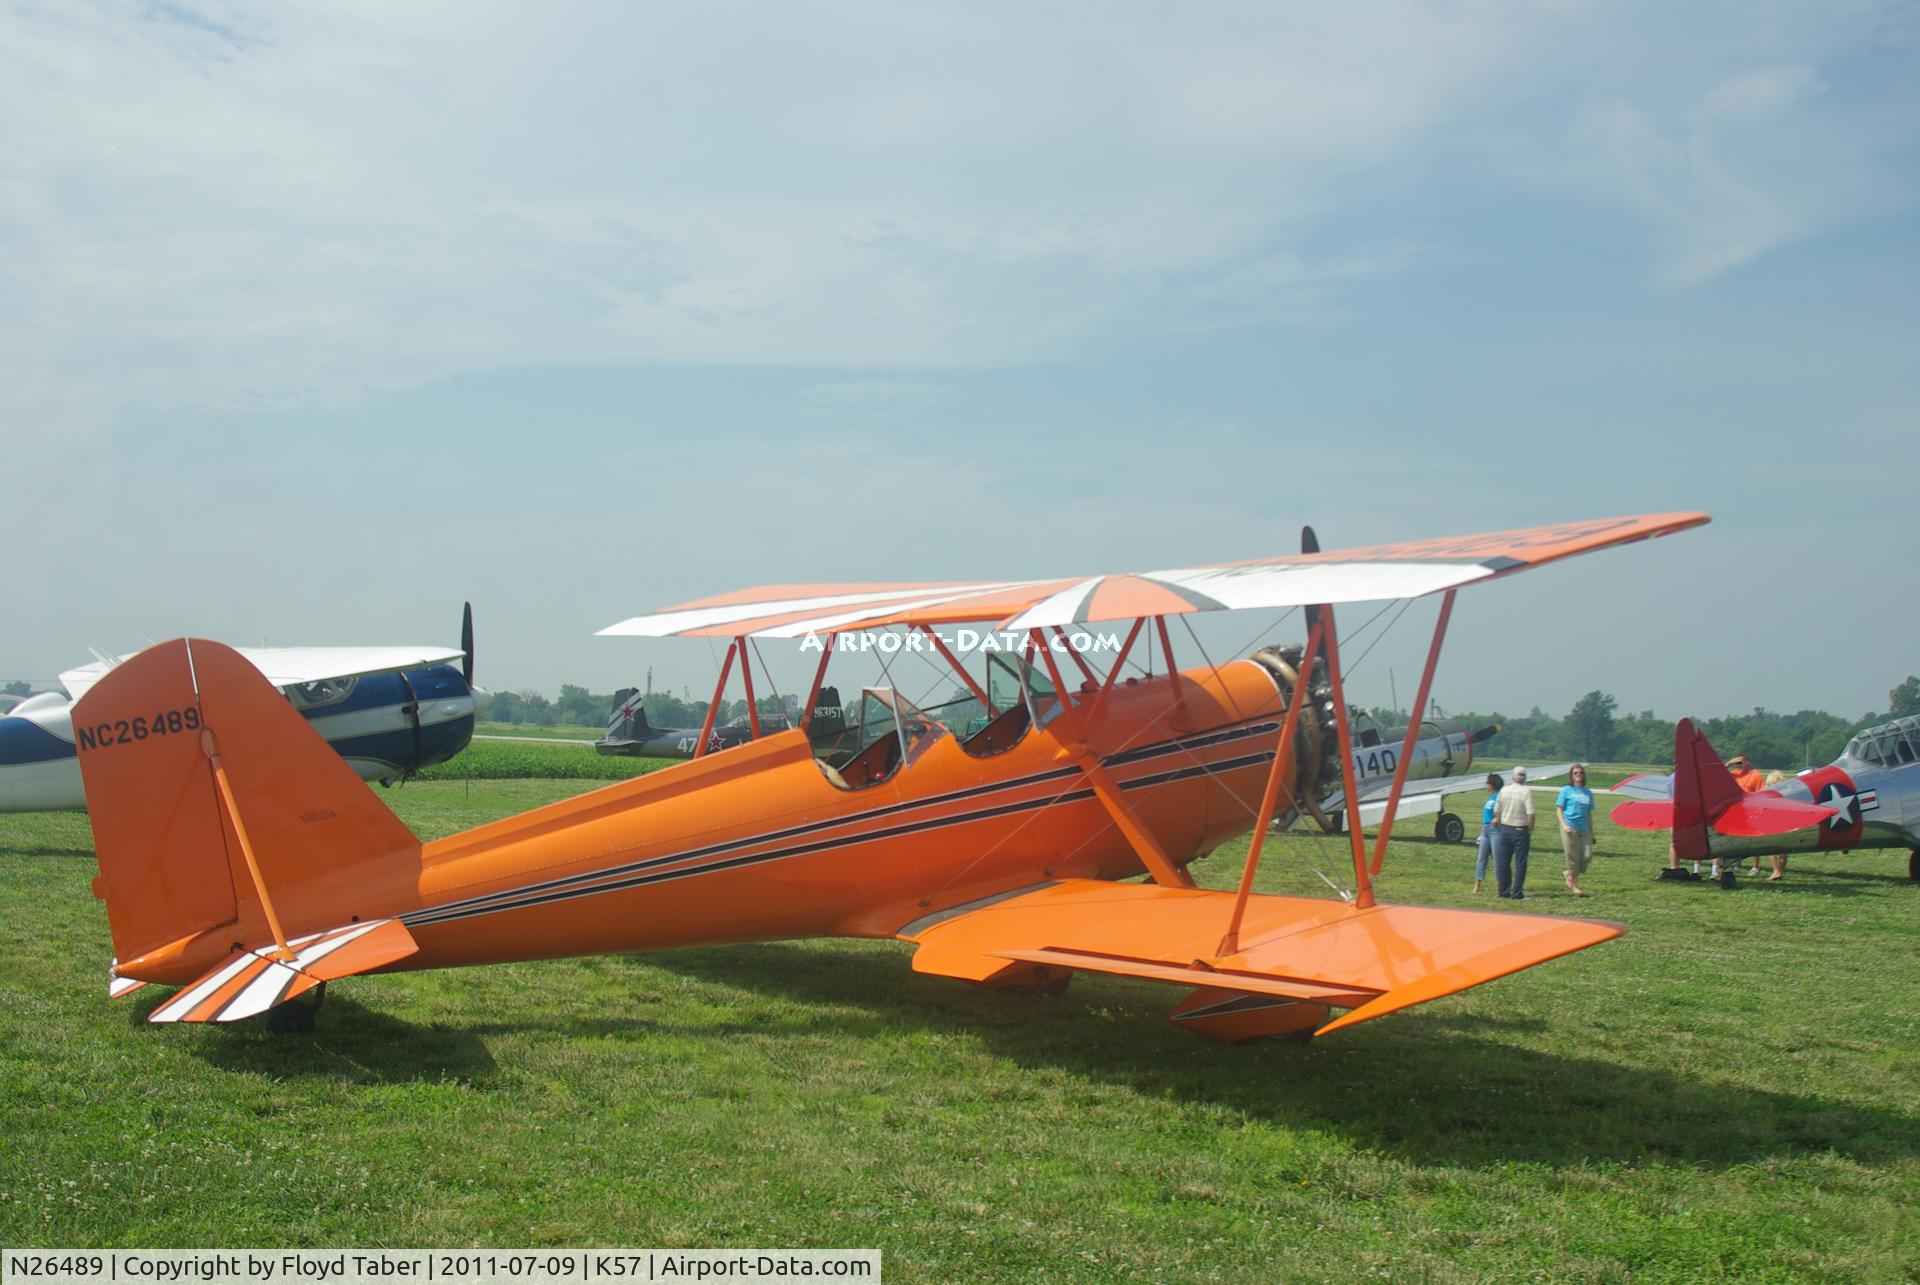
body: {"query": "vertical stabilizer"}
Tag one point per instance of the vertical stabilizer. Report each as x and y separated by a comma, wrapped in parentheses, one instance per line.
(171, 860)
(1703, 789)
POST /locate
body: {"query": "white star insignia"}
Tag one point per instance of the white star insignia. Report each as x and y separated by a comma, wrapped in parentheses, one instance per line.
(1843, 804)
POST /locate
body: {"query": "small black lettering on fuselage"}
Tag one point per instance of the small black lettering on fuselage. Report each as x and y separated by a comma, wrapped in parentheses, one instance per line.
(125, 731)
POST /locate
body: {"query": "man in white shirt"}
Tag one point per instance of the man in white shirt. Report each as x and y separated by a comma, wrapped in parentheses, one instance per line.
(1512, 835)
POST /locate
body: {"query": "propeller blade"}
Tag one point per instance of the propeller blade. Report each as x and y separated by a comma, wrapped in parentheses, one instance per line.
(466, 642)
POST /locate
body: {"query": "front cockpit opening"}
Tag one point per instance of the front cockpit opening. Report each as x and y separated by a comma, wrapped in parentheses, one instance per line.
(883, 731)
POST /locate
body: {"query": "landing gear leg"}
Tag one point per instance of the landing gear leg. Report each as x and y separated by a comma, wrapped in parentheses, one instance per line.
(295, 1017)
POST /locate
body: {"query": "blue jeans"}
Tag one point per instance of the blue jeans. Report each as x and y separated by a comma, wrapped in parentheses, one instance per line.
(1486, 850)
(1510, 846)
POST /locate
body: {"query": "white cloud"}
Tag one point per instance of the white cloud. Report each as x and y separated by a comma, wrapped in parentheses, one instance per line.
(223, 206)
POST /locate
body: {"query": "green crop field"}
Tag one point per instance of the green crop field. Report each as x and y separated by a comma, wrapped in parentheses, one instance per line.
(1732, 1091)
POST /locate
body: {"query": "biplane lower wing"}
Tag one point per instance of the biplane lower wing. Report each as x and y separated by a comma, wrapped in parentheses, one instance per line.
(1371, 961)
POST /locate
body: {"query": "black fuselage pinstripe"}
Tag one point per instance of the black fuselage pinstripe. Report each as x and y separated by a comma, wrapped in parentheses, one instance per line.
(648, 870)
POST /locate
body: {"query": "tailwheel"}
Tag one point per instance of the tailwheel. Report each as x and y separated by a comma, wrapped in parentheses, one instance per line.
(1448, 828)
(1729, 878)
(296, 1016)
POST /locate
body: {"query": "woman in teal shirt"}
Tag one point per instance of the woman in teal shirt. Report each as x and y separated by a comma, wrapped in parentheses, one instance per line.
(1575, 806)
(1486, 829)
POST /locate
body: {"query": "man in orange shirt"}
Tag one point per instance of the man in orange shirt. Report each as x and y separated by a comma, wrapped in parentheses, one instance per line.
(1745, 775)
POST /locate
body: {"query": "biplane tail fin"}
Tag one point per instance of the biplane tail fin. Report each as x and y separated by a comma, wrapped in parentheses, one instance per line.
(220, 817)
(1707, 800)
(628, 722)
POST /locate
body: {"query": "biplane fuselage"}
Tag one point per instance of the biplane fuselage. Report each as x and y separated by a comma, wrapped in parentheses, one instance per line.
(757, 843)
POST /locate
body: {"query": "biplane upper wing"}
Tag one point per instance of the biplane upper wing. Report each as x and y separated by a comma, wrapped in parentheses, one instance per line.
(291, 666)
(1371, 960)
(1407, 570)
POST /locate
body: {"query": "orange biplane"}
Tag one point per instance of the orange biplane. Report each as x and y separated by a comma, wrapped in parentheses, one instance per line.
(241, 860)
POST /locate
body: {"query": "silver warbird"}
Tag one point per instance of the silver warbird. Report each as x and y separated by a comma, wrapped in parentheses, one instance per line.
(1869, 797)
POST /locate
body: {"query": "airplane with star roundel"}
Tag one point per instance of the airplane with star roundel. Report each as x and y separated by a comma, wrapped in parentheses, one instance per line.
(1869, 797)
(244, 863)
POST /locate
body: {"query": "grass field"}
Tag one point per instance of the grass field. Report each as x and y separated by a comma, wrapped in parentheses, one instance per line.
(1732, 1091)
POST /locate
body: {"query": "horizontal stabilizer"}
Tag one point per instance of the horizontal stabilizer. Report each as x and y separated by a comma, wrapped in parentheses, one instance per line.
(253, 981)
(1759, 814)
(1374, 959)
(1644, 814)
(1647, 785)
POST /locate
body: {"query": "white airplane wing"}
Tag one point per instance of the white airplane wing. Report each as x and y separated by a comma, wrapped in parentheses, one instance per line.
(288, 666)
(1649, 785)
(1438, 787)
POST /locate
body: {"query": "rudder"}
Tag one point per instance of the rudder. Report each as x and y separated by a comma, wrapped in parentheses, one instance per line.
(172, 866)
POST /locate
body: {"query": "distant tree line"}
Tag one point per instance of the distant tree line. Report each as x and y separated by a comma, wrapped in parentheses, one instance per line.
(576, 706)
(1594, 731)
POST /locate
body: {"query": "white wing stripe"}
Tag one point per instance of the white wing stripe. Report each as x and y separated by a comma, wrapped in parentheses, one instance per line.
(824, 624)
(667, 623)
(1063, 607)
(258, 995)
(187, 999)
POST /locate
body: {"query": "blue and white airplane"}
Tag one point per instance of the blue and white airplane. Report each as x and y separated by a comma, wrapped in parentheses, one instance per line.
(389, 711)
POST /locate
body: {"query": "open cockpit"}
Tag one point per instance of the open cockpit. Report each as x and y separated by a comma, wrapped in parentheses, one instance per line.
(883, 730)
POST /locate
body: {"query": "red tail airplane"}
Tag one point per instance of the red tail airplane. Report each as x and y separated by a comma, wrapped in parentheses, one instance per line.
(241, 860)
(1824, 809)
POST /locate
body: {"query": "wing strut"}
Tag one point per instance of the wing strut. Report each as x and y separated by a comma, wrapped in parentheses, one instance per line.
(212, 750)
(1038, 642)
(819, 676)
(1173, 673)
(1363, 884)
(1148, 848)
(1085, 670)
(1419, 712)
(1118, 663)
(713, 706)
(979, 693)
(1270, 799)
(746, 676)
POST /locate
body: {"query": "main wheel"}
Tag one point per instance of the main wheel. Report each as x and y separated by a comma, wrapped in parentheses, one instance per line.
(1448, 828)
(295, 1017)
(1729, 879)
(1913, 865)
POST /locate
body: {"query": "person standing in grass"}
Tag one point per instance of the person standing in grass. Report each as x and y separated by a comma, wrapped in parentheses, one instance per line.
(1512, 835)
(1779, 859)
(1486, 830)
(1575, 806)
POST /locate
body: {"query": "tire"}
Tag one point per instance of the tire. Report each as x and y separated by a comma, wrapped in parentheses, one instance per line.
(1913, 865)
(1729, 879)
(1448, 828)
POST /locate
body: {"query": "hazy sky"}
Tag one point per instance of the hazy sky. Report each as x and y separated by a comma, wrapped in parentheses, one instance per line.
(318, 319)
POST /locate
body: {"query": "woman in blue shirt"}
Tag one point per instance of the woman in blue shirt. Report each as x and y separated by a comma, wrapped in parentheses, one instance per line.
(1486, 829)
(1575, 806)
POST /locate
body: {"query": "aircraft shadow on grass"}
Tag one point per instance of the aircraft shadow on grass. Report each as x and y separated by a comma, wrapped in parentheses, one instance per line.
(351, 1043)
(43, 850)
(1430, 1087)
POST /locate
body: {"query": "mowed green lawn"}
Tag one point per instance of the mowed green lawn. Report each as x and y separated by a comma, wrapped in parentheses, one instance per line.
(1732, 1091)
